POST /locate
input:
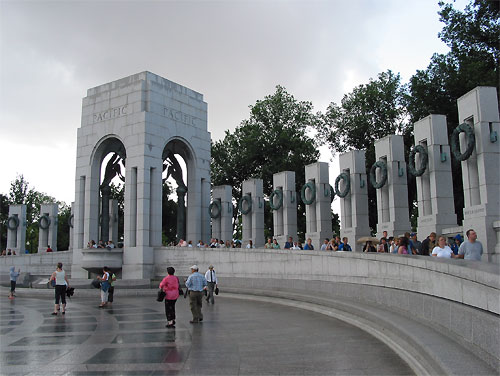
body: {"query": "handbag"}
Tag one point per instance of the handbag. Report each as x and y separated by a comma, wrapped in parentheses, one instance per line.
(53, 283)
(96, 284)
(160, 296)
(216, 291)
(181, 292)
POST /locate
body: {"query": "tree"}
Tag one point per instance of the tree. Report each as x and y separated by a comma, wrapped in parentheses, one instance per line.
(21, 193)
(368, 113)
(275, 138)
(473, 60)
(4, 215)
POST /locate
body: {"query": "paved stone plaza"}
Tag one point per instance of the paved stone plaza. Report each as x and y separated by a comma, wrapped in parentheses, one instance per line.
(237, 337)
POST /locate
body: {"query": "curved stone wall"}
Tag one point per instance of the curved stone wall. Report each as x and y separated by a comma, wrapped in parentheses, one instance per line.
(459, 298)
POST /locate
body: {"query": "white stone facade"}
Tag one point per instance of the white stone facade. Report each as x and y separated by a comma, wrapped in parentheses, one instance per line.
(253, 222)
(16, 236)
(392, 198)
(481, 172)
(318, 214)
(436, 207)
(47, 232)
(354, 207)
(140, 117)
(285, 218)
(222, 226)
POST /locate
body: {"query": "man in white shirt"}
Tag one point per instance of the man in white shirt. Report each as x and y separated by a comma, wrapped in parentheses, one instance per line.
(325, 244)
(211, 278)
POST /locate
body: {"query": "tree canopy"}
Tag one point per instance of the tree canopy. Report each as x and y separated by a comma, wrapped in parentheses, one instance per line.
(276, 137)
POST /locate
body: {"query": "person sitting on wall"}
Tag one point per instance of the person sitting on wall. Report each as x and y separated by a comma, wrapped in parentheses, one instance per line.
(471, 249)
(250, 244)
(344, 246)
(368, 247)
(4, 252)
(428, 244)
(101, 244)
(214, 243)
(49, 249)
(13, 253)
(9, 252)
(289, 243)
(269, 244)
(295, 245)
(110, 245)
(309, 246)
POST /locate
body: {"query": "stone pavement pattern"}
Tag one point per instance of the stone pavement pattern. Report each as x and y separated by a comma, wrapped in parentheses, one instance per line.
(237, 337)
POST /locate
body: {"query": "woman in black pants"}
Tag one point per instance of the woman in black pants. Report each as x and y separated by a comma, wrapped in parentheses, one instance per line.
(170, 285)
(61, 282)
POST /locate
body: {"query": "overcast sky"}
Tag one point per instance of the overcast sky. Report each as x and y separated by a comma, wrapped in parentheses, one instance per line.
(233, 52)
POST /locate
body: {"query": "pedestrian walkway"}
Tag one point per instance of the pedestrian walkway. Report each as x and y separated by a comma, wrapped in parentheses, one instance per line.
(237, 337)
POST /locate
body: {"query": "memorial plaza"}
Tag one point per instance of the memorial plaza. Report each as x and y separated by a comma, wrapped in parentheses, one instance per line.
(307, 311)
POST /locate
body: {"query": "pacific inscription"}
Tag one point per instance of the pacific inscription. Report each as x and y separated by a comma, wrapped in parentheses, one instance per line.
(179, 116)
(110, 114)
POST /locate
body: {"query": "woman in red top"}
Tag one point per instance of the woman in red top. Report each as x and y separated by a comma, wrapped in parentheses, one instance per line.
(170, 285)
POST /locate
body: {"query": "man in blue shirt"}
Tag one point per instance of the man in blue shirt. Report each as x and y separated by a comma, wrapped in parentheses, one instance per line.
(196, 283)
(344, 246)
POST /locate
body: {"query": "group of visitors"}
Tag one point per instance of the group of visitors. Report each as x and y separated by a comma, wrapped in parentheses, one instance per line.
(197, 284)
(8, 252)
(108, 245)
(432, 245)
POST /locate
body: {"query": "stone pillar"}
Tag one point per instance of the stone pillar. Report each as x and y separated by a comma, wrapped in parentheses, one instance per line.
(285, 218)
(318, 213)
(436, 210)
(71, 223)
(16, 228)
(354, 207)
(253, 221)
(47, 233)
(392, 198)
(222, 225)
(481, 173)
(113, 221)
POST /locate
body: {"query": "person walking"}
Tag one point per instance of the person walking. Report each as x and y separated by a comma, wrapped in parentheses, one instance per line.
(13, 281)
(111, 291)
(60, 289)
(471, 249)
(211, 278)
(104, 286)
(170, 284)
(196, 283)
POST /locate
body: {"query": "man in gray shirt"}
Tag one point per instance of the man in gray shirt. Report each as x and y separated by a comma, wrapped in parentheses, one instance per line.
(471, 249)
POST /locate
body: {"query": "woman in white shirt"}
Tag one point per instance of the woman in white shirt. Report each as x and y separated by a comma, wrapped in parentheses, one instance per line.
(61, 281)
(442, 250)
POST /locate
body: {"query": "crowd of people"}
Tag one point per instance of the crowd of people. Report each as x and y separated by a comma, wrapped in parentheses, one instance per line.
(8, 252)
(408, 244)
(102, 244)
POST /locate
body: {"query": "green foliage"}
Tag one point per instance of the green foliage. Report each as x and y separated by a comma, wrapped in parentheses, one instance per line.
(21, 193)
(473, 60)
(169, 216)
(118, 194)
(63, 228)
(275, 138)
(368, 113)
(4, 215)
